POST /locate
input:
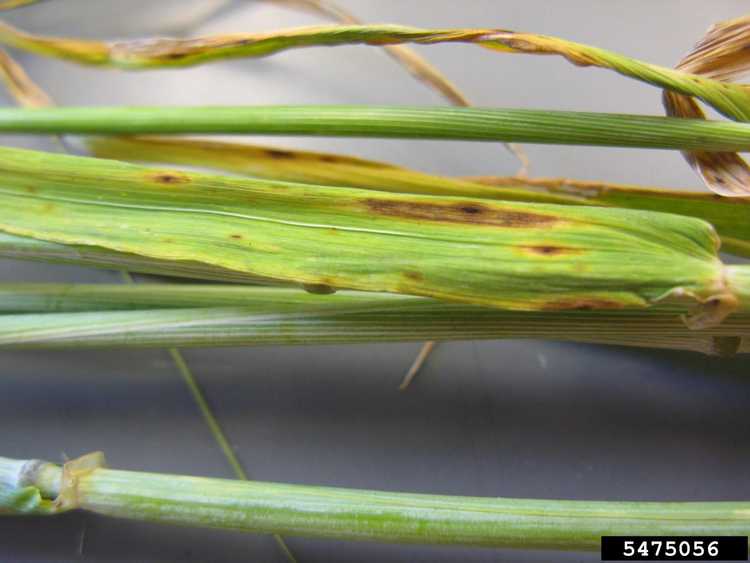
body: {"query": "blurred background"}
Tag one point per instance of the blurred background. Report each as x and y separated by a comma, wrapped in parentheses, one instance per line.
(513, 418)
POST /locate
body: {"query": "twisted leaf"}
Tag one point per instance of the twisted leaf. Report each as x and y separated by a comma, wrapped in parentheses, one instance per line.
(730, 99)
(723, 54)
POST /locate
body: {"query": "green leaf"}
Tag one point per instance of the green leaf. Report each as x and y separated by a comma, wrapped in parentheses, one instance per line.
(501, 254)
(728, 216)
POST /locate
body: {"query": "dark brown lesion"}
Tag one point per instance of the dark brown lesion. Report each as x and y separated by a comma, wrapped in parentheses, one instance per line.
(581, 304)
(318, 288)
(279, 154)
(236, 236)
(470, 213)
(169, 178)
(414, 275)
(549, 250)
(173, 55)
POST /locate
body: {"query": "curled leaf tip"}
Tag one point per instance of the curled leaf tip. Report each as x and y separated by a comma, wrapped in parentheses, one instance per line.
(722, 54)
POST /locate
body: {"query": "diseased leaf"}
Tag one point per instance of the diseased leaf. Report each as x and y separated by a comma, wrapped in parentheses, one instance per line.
(501, 254)
(729, 217)
(309, 167)
(723, 54)
(731, 99)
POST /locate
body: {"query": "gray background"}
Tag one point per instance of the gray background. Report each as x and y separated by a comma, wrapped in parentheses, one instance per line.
(513, 418)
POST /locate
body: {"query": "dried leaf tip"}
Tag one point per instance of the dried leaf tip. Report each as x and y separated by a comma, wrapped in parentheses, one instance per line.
(722, 54)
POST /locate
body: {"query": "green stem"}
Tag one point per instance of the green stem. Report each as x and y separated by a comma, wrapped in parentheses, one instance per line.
(475, 124)
(351, 514)
(95, 316)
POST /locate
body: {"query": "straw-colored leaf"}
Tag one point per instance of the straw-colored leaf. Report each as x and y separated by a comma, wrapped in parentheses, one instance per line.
(308, 167)
(20, 86)
(723, 54)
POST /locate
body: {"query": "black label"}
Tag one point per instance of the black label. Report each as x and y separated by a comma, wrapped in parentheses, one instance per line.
(674, 548)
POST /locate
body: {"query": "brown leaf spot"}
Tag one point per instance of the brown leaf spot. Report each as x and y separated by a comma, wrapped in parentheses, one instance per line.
(549, 250)
(318, 288)
(235, 236)
(169, 178)
(173, 55)
(278, 154)
(414, 275)
(463, 212)
(581, 304)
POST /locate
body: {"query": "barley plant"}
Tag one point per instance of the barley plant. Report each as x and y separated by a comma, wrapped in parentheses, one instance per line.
(195, 233)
